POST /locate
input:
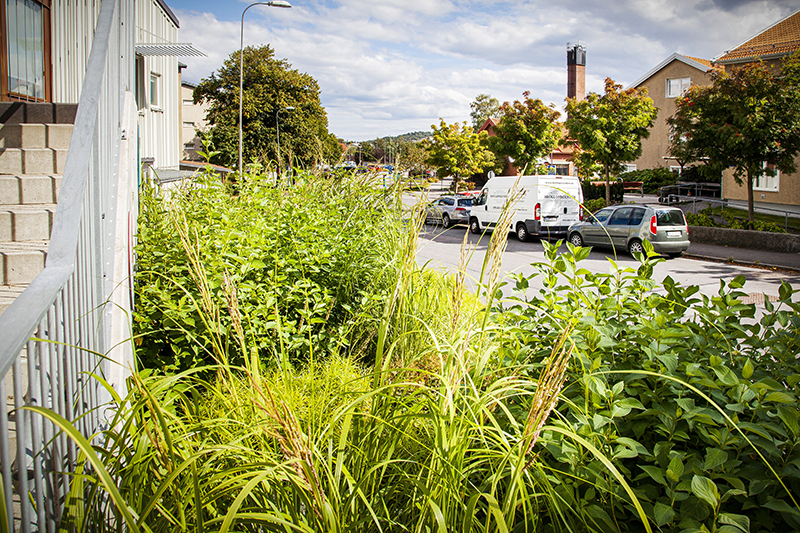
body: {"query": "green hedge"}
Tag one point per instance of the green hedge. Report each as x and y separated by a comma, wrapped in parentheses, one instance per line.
(652, 179)
(592, 192)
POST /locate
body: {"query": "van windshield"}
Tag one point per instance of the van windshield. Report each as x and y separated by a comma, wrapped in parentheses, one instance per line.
(671, 217)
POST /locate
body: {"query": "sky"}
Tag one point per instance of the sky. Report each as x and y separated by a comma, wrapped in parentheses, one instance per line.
(387, 67)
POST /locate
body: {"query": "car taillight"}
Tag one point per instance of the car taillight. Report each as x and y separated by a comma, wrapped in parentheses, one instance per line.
(580, 212)
(460, 209)
(537, 212)
(653, 225)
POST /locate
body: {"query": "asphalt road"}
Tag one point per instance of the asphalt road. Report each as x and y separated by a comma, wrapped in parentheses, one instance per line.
(441, 249)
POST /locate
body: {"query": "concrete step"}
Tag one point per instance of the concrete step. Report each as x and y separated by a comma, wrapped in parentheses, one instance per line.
(21, 261)
(32, 160)
(55, 136)
(29, 189)
(19, 223)
(8, 293)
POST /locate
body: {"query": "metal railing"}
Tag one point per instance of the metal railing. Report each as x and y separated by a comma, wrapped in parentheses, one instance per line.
(696, 201)
(53, 332)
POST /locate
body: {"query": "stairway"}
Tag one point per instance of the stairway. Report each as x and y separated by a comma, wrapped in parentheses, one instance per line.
(34, 138)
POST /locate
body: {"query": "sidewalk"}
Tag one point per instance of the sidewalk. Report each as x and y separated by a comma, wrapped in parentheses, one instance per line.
(743, 256)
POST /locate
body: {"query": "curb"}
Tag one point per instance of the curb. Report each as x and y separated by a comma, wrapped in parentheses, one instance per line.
(762, 266)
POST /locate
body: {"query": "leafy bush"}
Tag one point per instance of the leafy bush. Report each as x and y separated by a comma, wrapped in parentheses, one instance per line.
(731, 221)
(592, 192)
(652, 178)
(594, 205)
(701, 174)
(694, 398)
(290, 271)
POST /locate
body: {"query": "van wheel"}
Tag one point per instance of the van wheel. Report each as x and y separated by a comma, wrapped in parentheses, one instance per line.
(576, 239)
(474, 226)
(446, 220)
(522, 232)
(635, 246)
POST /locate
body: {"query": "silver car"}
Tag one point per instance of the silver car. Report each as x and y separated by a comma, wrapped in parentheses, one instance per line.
(627, 226)
(449, 210)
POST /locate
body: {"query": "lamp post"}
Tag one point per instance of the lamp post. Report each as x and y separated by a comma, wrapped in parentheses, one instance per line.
(278, 133)
(271, 3)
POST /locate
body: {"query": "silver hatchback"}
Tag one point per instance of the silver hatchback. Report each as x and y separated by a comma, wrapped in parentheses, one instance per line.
(449, 210)
(627, 226)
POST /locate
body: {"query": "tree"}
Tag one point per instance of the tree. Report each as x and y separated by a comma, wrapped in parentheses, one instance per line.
(609, 129)
(270, 87)
(748, 119)
(526, 132)
(457, 151)
(483, 107)
(411, 155)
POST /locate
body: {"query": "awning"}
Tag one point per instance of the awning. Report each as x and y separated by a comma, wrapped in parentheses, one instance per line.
(168, 49)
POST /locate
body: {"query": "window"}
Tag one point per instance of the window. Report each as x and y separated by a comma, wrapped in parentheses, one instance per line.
(677, 86)
(620, 217)
(25, 61)
(188, 124)
(154, 80)
(675, 169)
(765, 182)
(602, 215)
(637, 214)
(465, 202)
(671, 217)
(629, 167)
(188, 102)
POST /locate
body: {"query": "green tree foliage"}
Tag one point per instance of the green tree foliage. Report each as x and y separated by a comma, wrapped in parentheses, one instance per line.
(270, 86)
(457, 151)
(483, 107)
(609, 129)
(744, 119)
(526, 132)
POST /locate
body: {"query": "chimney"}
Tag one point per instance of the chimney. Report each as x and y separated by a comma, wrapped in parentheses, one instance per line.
(576, 71)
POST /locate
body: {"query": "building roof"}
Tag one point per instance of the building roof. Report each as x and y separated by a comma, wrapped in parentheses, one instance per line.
(778, 40)
(703, 65)
(169, 13)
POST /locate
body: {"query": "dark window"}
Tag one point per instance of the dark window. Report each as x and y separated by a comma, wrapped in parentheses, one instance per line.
(670, 217)
(465, 202)
(446, 201)
(620, 217)
(481, 200)
(637, 214)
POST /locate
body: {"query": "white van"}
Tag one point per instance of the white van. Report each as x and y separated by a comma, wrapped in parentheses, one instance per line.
(545, 206)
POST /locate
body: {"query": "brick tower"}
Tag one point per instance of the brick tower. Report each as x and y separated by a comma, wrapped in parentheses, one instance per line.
(576, 71)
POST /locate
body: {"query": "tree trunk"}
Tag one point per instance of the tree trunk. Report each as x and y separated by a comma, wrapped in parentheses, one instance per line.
(750, 206)
(608, 186)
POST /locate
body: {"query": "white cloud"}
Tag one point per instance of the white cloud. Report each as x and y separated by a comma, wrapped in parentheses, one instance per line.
(390, 66)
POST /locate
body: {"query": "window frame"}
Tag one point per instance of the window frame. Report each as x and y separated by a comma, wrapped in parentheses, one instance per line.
(763, 175)
(681, 89)
(5, 90)
(154, 96)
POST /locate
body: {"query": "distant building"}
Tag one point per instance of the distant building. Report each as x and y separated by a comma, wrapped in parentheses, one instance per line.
(665, 83)
(193, 118)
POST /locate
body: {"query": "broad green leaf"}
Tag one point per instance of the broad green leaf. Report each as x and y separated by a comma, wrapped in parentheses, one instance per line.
(747, 371)
(789, 417)
(726, 375)
(714, 458)
(655, 473)
(740, 521)
(675, 469)
(781, 506)
(706, 490)
(779, 397)
(663, 514)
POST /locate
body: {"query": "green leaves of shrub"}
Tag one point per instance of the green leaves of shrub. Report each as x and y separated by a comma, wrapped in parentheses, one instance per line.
(650, 358)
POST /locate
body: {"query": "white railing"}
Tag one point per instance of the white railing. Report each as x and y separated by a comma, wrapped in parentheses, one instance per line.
(76, 307)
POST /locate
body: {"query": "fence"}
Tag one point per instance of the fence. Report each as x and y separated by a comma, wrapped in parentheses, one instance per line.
(55, 330)
(700, 203)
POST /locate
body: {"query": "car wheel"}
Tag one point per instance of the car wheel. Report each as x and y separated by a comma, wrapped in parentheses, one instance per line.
(474, 226)
(576, 239)
(522, 232)
(446, 220)
(635, 246)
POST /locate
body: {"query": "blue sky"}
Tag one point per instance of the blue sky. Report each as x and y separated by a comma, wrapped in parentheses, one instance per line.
(387, 67)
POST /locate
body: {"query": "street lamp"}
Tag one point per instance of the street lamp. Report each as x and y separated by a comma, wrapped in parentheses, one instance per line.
(272, 3)
(278, 133)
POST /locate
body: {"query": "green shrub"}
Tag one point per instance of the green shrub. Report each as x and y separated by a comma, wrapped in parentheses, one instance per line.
(594, 205)
(695, 398)
(731, 221)
(291, 271)
(652, 178)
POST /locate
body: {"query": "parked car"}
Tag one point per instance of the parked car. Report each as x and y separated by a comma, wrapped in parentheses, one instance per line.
(628, 226)
(449, 210)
